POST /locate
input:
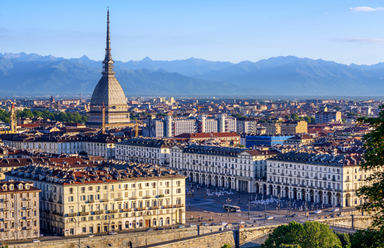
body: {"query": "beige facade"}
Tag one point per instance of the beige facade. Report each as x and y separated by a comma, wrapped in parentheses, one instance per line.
(19, 215)
(294, 127)
(99, 201)
(273, 128)
(322, 179)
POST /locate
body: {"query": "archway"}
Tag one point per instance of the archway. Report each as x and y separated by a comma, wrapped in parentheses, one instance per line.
(294, 193)
(303, 196)
(311, 196)
(257, 188)
(270, 190)
(126, 224)
(329, 198)
(347, 200)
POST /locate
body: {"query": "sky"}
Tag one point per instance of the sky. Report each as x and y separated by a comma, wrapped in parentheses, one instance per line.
(342, 31)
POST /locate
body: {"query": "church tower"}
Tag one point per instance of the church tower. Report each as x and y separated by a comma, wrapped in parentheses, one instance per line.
(108, 93)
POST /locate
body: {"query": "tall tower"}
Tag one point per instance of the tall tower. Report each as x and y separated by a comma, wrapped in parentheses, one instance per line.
(13, 121)
(108, 92)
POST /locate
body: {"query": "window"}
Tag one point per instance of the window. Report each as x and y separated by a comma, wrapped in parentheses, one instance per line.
(71, 190)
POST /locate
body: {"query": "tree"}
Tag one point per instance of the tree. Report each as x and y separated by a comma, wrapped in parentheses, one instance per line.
(308, 235)
(368, 238)
(226, 246)
(345, 240)
(373, 191)
(294, 116)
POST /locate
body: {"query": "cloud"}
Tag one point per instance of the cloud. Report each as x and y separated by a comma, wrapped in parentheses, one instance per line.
(366, 9)
(361, 40)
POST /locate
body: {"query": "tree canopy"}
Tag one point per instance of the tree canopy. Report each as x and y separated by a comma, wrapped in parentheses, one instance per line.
(308, 235)
(373, 191)
(62, 117)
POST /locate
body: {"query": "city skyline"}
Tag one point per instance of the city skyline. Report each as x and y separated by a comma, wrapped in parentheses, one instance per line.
(344, 32)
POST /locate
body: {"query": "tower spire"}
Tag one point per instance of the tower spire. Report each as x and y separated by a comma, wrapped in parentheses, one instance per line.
(108, 62)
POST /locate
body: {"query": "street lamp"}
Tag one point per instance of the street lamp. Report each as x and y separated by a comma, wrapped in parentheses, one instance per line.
(279, 205)
(228, 201)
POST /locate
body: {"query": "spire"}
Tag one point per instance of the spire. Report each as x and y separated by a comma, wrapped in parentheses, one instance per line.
(108, 62)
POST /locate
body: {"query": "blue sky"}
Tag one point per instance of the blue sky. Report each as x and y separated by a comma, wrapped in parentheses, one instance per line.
(342, 31)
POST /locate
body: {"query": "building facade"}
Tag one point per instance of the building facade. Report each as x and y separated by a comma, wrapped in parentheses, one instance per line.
(231, 168)
(144, 150)
(246, 125)
(327, 116)
(104, 199)
(315, 178)
(19, 218)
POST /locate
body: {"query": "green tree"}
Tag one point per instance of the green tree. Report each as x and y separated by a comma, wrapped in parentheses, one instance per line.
(368, 238)
(287, 117)
(294, 116)
(226, 246)
(308, 235)
(289, 246)
(373, 191)
(345, 240)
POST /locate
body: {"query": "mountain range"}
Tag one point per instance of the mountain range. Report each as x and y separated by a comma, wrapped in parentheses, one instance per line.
(33, 74)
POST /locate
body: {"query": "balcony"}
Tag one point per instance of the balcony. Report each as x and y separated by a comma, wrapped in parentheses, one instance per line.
(29, 227)
(113, 211)
(155, 207)
(159, 196)
(141, 209)
(72, 215)
(50, 199)
(179, 205)
(133, 198)
(5, 200)
(146, 196)
(99, 212)
(127, 209)
(119, 199)
(84, 213)
(104, 200)
(91, 201)
(169, 206)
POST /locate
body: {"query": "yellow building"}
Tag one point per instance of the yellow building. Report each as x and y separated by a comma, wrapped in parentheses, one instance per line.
(105, 199)
(294, 127)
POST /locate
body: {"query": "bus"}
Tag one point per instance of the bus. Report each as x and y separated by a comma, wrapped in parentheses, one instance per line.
(231, 208)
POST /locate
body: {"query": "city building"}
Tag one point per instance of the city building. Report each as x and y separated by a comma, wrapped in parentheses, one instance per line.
(108, 95)
(329, 179)
(328, 116)
(246, 125)
(294, 127)
(116, 197)
(144, 150)
(264, 140)
(169, 126)
(229, 138)
(19, 218)
(232, 168)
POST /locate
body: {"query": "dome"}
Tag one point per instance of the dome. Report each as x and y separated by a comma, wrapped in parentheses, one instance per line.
(108, 91)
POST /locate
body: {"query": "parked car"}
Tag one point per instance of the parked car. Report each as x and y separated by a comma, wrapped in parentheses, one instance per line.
(294, 215)
(238, 211)
(318, 211)
(180, 226)
(112, 233)
(91, 235)
(159, 228)
(35, 240)
(269, 218)
(192, 225)
(149, 229)
(336, 210)
(204, 224)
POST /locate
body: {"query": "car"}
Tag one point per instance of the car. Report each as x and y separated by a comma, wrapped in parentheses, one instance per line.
(318, 211)
(294, 215)
(159, 228)
(204, 224)
(269, 218)
(197, 199)
(223, 223)
(335, 210)
(192, 225)
(180, 226)
(238, 211)
(149, 230)
(91, 235)
(241, 223)
(35, 241)
(112, 233)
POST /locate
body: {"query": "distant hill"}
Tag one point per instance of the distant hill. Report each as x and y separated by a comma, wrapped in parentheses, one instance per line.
(35, 74)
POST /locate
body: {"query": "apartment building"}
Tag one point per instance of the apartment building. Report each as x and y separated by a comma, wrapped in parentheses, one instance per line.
(107, 198)
(246, 125)
(95, 145)
(19, 215)
(169, 126)
(228, 167)
(316, 178)
(327, 116)
(294, 127)
(144, 150)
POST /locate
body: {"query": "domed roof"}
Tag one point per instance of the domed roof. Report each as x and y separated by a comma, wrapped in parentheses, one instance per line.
(108, 91)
